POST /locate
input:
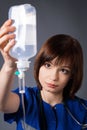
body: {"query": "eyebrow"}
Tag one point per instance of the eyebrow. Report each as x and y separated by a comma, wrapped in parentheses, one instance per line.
(66, 66)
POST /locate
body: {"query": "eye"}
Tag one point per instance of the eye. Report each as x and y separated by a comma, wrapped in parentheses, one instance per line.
(65, 71)
(47, 65)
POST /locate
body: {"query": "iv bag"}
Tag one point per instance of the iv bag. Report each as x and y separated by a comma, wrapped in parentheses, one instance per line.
(24, 17)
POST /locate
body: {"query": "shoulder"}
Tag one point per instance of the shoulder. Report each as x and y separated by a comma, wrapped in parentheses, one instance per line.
(77, 110)
(29, 97)
(30, 93)
(78, 107)
(83, 102)
(77, 102)
(31, 90)
(27, 90)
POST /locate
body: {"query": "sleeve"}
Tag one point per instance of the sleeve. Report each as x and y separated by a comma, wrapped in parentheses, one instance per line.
(29, 100)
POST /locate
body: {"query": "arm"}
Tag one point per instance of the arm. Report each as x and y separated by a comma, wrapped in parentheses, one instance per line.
(9, 102)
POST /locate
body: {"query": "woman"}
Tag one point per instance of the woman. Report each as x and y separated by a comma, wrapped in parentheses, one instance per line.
(58, 71)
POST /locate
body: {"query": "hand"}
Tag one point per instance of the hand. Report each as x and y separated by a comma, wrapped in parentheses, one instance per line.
(7, 41)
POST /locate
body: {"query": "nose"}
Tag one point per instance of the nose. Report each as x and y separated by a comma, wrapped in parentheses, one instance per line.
(54, 75)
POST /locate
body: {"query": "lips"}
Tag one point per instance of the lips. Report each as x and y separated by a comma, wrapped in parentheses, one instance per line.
(51, 85)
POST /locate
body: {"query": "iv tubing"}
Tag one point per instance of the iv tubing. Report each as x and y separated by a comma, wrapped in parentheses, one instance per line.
(22, 91)
(23, 107)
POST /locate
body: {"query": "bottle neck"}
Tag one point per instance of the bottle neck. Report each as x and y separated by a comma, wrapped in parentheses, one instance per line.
(23, 65)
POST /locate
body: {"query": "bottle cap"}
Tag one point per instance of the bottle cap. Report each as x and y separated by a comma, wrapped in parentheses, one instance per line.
(23, 65)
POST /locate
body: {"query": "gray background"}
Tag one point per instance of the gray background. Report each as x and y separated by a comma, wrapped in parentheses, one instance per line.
(53, 17)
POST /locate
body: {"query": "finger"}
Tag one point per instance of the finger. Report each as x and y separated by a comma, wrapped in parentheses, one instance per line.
(5, 39)
(9, 45)
(6, 30)
(7, 23)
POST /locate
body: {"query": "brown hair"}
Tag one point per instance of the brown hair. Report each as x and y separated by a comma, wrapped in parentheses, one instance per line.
(64, 47)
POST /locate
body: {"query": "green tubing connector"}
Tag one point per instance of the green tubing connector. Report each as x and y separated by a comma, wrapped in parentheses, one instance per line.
(17, 72)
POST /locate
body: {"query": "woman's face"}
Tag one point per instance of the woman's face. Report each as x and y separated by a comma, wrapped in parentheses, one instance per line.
(54, 77)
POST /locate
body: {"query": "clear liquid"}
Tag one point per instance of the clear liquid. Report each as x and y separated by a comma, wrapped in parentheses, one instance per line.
(25, 34)
(25, 46)
(24, 52)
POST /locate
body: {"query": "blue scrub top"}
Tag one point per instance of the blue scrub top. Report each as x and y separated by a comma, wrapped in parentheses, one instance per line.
(71, 115)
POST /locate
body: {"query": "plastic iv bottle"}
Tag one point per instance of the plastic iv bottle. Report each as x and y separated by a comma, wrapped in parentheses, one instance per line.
(24, 17)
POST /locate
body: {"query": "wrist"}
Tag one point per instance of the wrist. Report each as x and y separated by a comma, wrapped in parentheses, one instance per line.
(9, 67)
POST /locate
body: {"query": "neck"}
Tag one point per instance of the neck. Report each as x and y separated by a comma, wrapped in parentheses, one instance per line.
(51, 98)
